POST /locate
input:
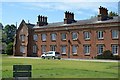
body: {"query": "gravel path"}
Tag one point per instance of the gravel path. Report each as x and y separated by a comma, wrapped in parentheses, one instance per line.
(94, 60)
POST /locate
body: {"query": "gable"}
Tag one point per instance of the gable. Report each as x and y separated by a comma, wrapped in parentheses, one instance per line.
(23, 28)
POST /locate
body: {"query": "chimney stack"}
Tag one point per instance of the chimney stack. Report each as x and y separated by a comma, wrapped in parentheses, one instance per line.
(103, 14)
(69, 18)
(42, 20)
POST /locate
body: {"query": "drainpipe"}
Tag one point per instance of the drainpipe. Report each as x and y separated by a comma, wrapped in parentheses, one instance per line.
(68, 43)
(69, 48)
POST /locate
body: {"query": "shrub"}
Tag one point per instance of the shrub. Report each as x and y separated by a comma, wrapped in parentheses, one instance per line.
(108, 55)
(9, 49)
(116, 57)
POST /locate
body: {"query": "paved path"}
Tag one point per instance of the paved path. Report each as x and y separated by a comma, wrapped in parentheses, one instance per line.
(94, 60)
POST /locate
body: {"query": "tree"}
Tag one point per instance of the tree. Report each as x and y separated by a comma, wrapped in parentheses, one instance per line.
(8, 33)
(8, 38)
(4, 45)
(9, 49)
(111, 14)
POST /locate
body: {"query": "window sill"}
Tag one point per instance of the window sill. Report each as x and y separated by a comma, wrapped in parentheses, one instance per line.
(115, 38)
(63, 39)
(63, 53)
(100, 38)
(75, 39)
(43, 41)
(22, 52)
(35, 40)
(53, 40)
(87, 39)
(74, 54)
(99, 54)
(23, 41)
(115, 54)
(87, 54)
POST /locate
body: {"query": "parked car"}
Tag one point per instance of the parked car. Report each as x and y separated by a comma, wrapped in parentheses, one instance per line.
(51, 54)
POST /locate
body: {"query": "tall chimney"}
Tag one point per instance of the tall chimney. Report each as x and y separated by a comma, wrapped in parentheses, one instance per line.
(39, 18)
(103, 14)
(42, 20)
(69, 18)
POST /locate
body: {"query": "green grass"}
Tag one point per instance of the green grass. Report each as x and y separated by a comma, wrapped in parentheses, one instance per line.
(62, 68)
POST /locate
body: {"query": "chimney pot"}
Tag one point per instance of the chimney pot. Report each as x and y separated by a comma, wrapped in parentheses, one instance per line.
(103, 13)
(65, 12)
(42, 20)
(69, 17)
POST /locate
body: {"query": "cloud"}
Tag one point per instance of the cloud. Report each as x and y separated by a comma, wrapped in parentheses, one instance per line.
(79, 7)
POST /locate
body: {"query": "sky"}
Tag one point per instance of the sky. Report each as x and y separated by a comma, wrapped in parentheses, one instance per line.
(13, 12)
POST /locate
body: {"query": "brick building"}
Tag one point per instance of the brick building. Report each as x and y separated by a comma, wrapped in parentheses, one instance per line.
(72, 38)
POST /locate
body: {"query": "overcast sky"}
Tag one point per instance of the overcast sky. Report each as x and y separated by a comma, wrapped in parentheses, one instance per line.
(13, 12)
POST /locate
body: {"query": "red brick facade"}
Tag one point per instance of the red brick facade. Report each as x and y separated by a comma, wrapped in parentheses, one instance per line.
(86, 32)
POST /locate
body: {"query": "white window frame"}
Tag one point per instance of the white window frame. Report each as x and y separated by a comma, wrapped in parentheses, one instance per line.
(43, 37)
(74, 51)
(34, 49)
(22, 37)
(115, 49)
(115, 34)
(87, 35)
(86, 49)
(53, 36)
(63, 49)
(43, 48)
(22, 48)
(63, 36)
(35, 37)
(74, 34)
(100, 48)
(100, 34)
(53, 47)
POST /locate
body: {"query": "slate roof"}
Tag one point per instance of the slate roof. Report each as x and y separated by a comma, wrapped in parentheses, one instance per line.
(30, 25)
(80, 22)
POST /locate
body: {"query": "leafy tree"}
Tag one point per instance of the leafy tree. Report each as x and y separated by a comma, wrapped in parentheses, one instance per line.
(8, 33)
(8, 38)
(107, 54)
(9, 49)
(4, 45)
(111, 14)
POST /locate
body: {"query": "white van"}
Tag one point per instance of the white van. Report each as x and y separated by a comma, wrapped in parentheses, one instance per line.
(51, 54)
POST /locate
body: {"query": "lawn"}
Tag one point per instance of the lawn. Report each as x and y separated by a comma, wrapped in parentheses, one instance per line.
(62, 68)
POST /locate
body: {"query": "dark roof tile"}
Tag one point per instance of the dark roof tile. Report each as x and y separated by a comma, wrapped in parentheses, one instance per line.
(79, 22)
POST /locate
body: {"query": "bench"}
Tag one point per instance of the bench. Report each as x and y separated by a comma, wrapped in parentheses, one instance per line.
(22, 71)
